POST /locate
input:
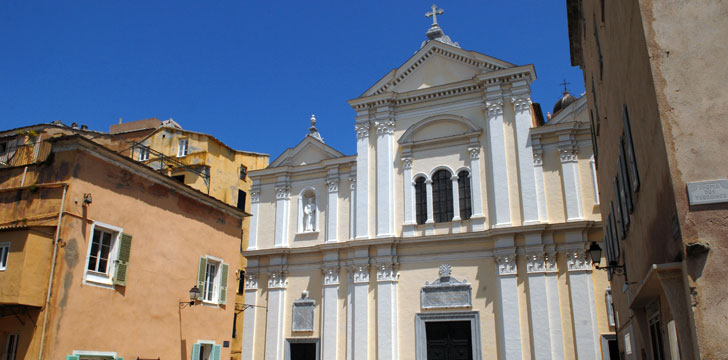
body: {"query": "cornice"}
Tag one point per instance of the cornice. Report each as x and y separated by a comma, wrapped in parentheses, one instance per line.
(307, 169)
(428, 240)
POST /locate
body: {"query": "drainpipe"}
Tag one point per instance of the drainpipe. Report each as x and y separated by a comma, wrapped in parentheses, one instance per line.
(53, 267)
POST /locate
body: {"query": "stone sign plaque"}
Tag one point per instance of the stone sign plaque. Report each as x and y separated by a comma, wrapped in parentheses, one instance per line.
(708, 192)
(303, 313)
(446, 292)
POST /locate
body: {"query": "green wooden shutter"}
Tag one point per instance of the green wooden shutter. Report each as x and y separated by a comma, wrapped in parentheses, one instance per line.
(216, 349)
(73, 357)
(201, 276)
(196, 351)
(122, 261)
(223, 284)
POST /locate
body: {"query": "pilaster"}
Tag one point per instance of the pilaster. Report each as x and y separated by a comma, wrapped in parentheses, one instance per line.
(509, 319)
(329, 311)
(581, 290)
(387, 345)
(253, 231)
(283, 196)
(497, 142)
(385, 173)
(476, 184)
(572, 186)
(251, 298)
(528, 186)
(408, 189)
(332, 211)
(359, 276)
(274, 325)
(538, 178)
(362, 180)
(544, 303)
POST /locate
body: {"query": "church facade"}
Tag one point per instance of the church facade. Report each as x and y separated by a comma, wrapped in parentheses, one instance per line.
(457, 231)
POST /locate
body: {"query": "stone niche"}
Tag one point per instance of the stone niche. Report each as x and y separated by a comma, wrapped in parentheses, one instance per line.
(303, 313)
(446, 292)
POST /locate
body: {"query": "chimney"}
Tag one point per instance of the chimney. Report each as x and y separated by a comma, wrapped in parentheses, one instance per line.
(74, 125)
(84, 127)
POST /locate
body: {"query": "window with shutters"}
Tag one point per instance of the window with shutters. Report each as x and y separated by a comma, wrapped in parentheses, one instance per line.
(204, 350)
(212, 279)
(241, 199)
(420, 200)
(4, 252)
(107, 262)
(466, 209)
(442, 210)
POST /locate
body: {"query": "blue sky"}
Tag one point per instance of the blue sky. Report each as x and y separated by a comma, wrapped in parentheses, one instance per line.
(249, 73)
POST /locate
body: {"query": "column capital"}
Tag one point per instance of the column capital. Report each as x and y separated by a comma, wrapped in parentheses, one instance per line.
(521, 103)
(387, 272)
(506, 263)
(360, 273)
(568, 153)
(362, 130)
(474, 152)
(577, 260)
(538, 157)
(277, 279)
(333, 185)
(251, 281)
(283, 191)
(384, 126)
(407, 163)
(428, 181)
(330, 275)
(254, 196)
(494, 107)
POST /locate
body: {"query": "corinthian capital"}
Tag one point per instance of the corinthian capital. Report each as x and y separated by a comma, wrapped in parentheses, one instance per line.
(277, 280)
(362, 130)
(407, 163)
(387, 272)
(577, 260)
(474, 152)
(283, 192)
(495, 108)
(384, 127)
(506, 264)
(360, 273)
(568, 154)
(331, 275)
(521, 103)
(333, 185)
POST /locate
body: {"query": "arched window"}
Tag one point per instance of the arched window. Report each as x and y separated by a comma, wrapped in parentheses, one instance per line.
(442, 196)
(466, 209)
(421, 200)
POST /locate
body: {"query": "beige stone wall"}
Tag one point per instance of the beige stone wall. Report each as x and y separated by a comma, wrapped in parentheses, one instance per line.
(663, 60)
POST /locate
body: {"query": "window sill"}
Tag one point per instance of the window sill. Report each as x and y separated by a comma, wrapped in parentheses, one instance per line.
(308, 233)
(98, 280)
(210, 304)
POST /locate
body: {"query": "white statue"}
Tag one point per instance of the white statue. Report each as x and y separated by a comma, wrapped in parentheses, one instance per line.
(309, 212)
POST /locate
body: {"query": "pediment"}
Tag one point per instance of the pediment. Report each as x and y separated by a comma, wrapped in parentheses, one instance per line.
(439, 127)
(436, 64)
(576, 111)
(308, 151)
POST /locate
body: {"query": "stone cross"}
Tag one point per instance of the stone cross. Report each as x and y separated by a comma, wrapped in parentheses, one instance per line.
(433, 14)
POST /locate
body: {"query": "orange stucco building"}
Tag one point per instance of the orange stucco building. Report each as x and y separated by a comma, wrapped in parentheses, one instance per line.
(99, 252)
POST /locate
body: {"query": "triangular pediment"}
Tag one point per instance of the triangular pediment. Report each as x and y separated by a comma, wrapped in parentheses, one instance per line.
(436, 64)
(309, 151)
(576, 111)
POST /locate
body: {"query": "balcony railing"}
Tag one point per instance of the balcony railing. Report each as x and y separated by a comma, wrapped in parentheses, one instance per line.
(163, 163)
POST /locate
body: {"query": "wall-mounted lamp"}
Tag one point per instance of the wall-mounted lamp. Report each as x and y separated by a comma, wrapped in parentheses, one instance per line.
(87, 199)
(595, 252)
(194, 295)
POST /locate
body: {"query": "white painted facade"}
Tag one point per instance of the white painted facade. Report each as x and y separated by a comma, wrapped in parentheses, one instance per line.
(521, 248)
